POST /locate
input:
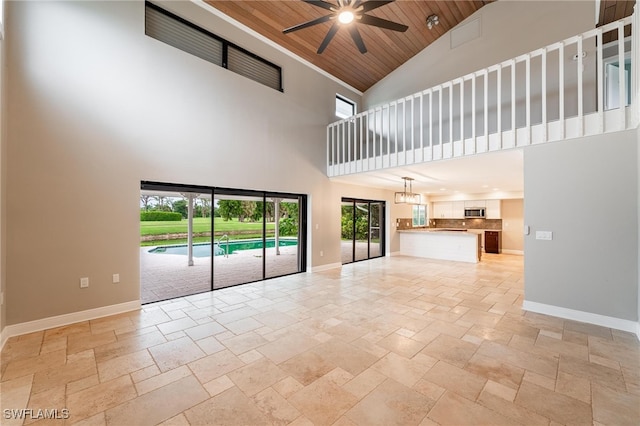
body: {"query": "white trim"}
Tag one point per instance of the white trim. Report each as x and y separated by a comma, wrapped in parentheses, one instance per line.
(395, 253)
(326, 267)
(66, 319)
(515, 252)
(581, 316)
(271, 43)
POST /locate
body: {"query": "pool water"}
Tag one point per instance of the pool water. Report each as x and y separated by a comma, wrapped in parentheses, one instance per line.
(204, 249)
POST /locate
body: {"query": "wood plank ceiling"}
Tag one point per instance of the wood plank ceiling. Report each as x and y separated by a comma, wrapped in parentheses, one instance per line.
(387, 49)
(614, 10)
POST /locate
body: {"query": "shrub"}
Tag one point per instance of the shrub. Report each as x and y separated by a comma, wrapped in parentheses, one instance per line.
(156, 216)
(288, 227)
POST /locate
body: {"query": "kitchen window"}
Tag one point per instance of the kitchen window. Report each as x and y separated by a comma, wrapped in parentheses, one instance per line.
(419, 215)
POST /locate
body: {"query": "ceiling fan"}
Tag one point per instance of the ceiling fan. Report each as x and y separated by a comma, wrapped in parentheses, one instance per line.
(347, 13)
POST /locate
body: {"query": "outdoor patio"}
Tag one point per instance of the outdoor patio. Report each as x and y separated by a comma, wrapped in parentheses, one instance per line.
(167, 276)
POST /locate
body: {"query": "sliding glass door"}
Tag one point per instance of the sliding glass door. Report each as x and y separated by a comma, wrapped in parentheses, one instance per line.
(238, 236)
(283, 254)
(258, 235)
(362, 229)
(211, 238)
(175, 241)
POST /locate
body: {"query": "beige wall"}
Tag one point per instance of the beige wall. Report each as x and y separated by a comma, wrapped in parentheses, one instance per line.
(3, 185)
(95, 107)
(512, 225)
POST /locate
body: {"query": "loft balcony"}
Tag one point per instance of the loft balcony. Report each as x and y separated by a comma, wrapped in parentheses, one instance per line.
(577, 87)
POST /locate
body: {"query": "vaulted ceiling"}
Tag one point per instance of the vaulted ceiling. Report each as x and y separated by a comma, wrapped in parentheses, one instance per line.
(387, 49)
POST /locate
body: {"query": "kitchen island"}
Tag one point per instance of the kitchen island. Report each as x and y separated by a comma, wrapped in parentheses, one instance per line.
(443, 244)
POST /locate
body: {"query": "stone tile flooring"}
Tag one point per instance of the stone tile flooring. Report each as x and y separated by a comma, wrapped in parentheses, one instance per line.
(394, 340)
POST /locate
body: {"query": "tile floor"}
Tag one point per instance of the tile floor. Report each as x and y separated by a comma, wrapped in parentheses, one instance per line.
(389, 341)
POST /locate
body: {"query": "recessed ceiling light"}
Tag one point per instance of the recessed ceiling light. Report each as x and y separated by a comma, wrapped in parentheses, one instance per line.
(443, 189)
(496, 189)
(485, 186)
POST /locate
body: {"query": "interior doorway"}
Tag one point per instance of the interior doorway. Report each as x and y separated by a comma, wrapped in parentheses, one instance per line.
(362, 229)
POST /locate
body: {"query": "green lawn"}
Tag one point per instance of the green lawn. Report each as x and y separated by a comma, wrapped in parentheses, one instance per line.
(200, 225)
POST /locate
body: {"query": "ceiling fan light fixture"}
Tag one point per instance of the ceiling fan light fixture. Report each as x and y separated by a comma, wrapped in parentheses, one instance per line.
(348, 13)
(346, 17)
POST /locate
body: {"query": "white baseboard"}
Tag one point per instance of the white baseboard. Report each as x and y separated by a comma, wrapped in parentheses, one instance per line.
(395, 253)
(326, 267)
(516, 252)
(66, 319)
(581, 316)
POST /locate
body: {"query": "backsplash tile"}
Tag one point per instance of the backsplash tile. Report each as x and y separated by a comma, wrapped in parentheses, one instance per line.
(404, 223)
(468, 223)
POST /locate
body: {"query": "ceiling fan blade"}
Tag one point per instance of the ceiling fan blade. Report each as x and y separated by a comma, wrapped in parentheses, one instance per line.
(382, 23)
(332, 32)
(355, 35)
(308, 24)
(374, 4)
(321, 3)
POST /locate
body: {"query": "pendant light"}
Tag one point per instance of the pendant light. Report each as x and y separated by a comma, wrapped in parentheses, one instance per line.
(408, 197)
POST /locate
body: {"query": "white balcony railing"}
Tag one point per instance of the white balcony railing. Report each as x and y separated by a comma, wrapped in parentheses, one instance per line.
(569, 89)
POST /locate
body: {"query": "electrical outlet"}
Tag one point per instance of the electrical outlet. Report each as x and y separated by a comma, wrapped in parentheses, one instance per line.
(84, 282)
(116, 278)
(321, 253)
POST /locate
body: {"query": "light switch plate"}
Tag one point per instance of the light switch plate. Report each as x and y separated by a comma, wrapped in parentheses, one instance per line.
(84, 282)
(544, 235)
(527, 230)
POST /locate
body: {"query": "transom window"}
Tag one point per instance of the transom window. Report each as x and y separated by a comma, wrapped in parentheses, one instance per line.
(345, 108)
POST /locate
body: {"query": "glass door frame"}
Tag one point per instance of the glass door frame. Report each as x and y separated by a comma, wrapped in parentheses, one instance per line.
(264, 195)
(382, 227)
(302, 228)
(183, 188)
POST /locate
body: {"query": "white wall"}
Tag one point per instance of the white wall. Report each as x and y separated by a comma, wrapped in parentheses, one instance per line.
(509, 28)
(586, 192)
(95, 107)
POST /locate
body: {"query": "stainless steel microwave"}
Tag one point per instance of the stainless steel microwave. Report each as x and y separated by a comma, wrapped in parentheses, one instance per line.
(474, 212)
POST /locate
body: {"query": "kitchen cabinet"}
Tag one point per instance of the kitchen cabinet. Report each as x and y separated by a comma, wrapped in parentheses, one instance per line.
(493, 209)
(474, 203)
(442, 210)
(448, 210)
(457, 210)
(493, 241)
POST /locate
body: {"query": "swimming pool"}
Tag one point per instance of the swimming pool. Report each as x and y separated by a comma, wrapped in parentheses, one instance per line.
(204, 249)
